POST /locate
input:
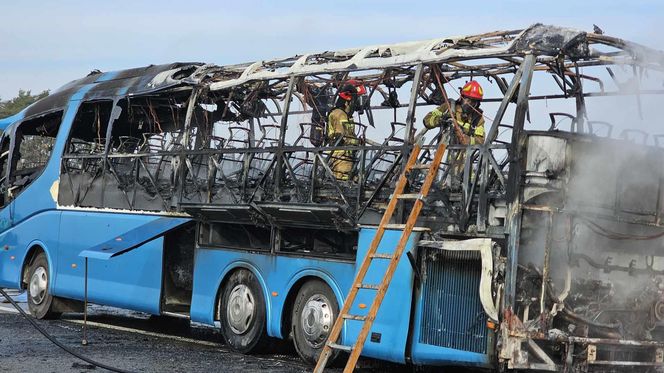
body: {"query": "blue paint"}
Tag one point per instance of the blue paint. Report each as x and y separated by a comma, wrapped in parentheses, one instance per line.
(6, 122)
(104, 77)
(392, 320)
(424, 354)
(278, 273)
(132, 280)
(133, 238)
(20, 239)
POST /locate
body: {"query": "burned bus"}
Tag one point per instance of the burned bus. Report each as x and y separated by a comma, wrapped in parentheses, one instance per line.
(213, 193)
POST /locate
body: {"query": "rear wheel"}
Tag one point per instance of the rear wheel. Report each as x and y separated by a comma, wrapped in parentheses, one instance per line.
(314, 312)
(40, 300)
(242, 312)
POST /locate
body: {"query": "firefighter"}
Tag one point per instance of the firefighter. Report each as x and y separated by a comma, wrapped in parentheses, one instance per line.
(467, 113)
(341, 128)
(469, 118)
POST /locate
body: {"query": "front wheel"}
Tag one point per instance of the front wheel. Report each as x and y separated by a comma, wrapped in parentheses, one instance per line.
(242, 313)
(314, 312)
(40, 300)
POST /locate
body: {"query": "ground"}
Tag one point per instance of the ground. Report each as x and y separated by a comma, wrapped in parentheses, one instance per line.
(135, 342)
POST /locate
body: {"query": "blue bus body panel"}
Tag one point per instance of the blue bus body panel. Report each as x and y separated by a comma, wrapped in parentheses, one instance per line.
(38, 230)
(392, 321)
(275, 273)
(132, 280)
(278, 273)
(134, 238)
(424, 354)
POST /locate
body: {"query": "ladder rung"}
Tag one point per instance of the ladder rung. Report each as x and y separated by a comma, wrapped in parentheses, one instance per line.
(410, 196)
(420, 166)
(367, 286)
(381, 256)
(354, 317)
(339, 347)
(400, 227)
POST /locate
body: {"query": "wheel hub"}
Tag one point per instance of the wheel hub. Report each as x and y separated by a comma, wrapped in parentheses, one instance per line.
(316, 320)
(38, 285)
(241, 307)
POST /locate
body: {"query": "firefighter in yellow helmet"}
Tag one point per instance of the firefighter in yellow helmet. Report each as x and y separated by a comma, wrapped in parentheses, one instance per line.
(469, 118)
(341, 128)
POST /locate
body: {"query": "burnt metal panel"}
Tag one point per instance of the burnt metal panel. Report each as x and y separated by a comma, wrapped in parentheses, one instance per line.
(231, 213)
(306, 214)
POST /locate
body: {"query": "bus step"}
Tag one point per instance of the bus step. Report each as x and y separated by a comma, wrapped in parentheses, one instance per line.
(354, 317)
(410, 196)
(381, 256)
(339, 347)
(367, 286)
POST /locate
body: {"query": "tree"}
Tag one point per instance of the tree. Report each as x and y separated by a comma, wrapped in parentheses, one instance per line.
(20, 102)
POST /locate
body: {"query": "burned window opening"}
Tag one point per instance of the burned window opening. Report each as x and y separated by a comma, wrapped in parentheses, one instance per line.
(321, 242)
(32, 148)
(235, 236)
(83, 160)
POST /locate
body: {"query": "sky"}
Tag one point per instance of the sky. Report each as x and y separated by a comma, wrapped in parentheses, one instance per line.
(44, 45)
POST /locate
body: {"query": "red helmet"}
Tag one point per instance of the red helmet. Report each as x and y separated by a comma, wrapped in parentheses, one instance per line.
(473, 90)
(351, 87)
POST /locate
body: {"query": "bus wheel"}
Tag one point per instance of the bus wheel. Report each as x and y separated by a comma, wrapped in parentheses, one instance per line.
(242, 312)
(314, 312)
(40, 300)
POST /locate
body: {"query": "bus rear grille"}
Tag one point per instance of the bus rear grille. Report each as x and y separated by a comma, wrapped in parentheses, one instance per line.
(452, 315)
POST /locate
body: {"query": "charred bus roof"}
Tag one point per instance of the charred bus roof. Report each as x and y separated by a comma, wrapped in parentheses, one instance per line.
(549, 43)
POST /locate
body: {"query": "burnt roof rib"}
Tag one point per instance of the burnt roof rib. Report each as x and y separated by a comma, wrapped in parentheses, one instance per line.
(547, 42)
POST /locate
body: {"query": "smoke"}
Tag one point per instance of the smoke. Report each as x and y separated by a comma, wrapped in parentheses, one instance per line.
(609, 238)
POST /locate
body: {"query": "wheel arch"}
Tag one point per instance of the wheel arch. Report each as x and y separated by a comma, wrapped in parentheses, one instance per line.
(35, 248)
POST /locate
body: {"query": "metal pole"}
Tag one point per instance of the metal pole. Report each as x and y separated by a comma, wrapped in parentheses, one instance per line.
(84, 342)
(279, 153)
(514, 181)
(182, 155)
(410, 116)
(547, 259)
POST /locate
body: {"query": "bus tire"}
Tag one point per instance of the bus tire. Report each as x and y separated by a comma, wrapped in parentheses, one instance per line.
(242, 313)
(40, 301)
(314, 311)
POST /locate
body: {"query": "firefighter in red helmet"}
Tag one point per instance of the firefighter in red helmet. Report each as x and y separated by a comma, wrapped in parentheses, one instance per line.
(341, 127)
(466, 111)
(470, 120)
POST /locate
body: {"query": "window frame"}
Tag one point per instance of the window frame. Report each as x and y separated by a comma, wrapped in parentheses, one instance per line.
(10, 197)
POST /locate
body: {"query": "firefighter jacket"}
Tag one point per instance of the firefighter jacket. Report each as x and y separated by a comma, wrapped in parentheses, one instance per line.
(472, 124)
(341, 128)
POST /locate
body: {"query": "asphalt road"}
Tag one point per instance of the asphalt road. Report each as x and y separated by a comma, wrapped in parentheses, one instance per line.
(136, 342)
